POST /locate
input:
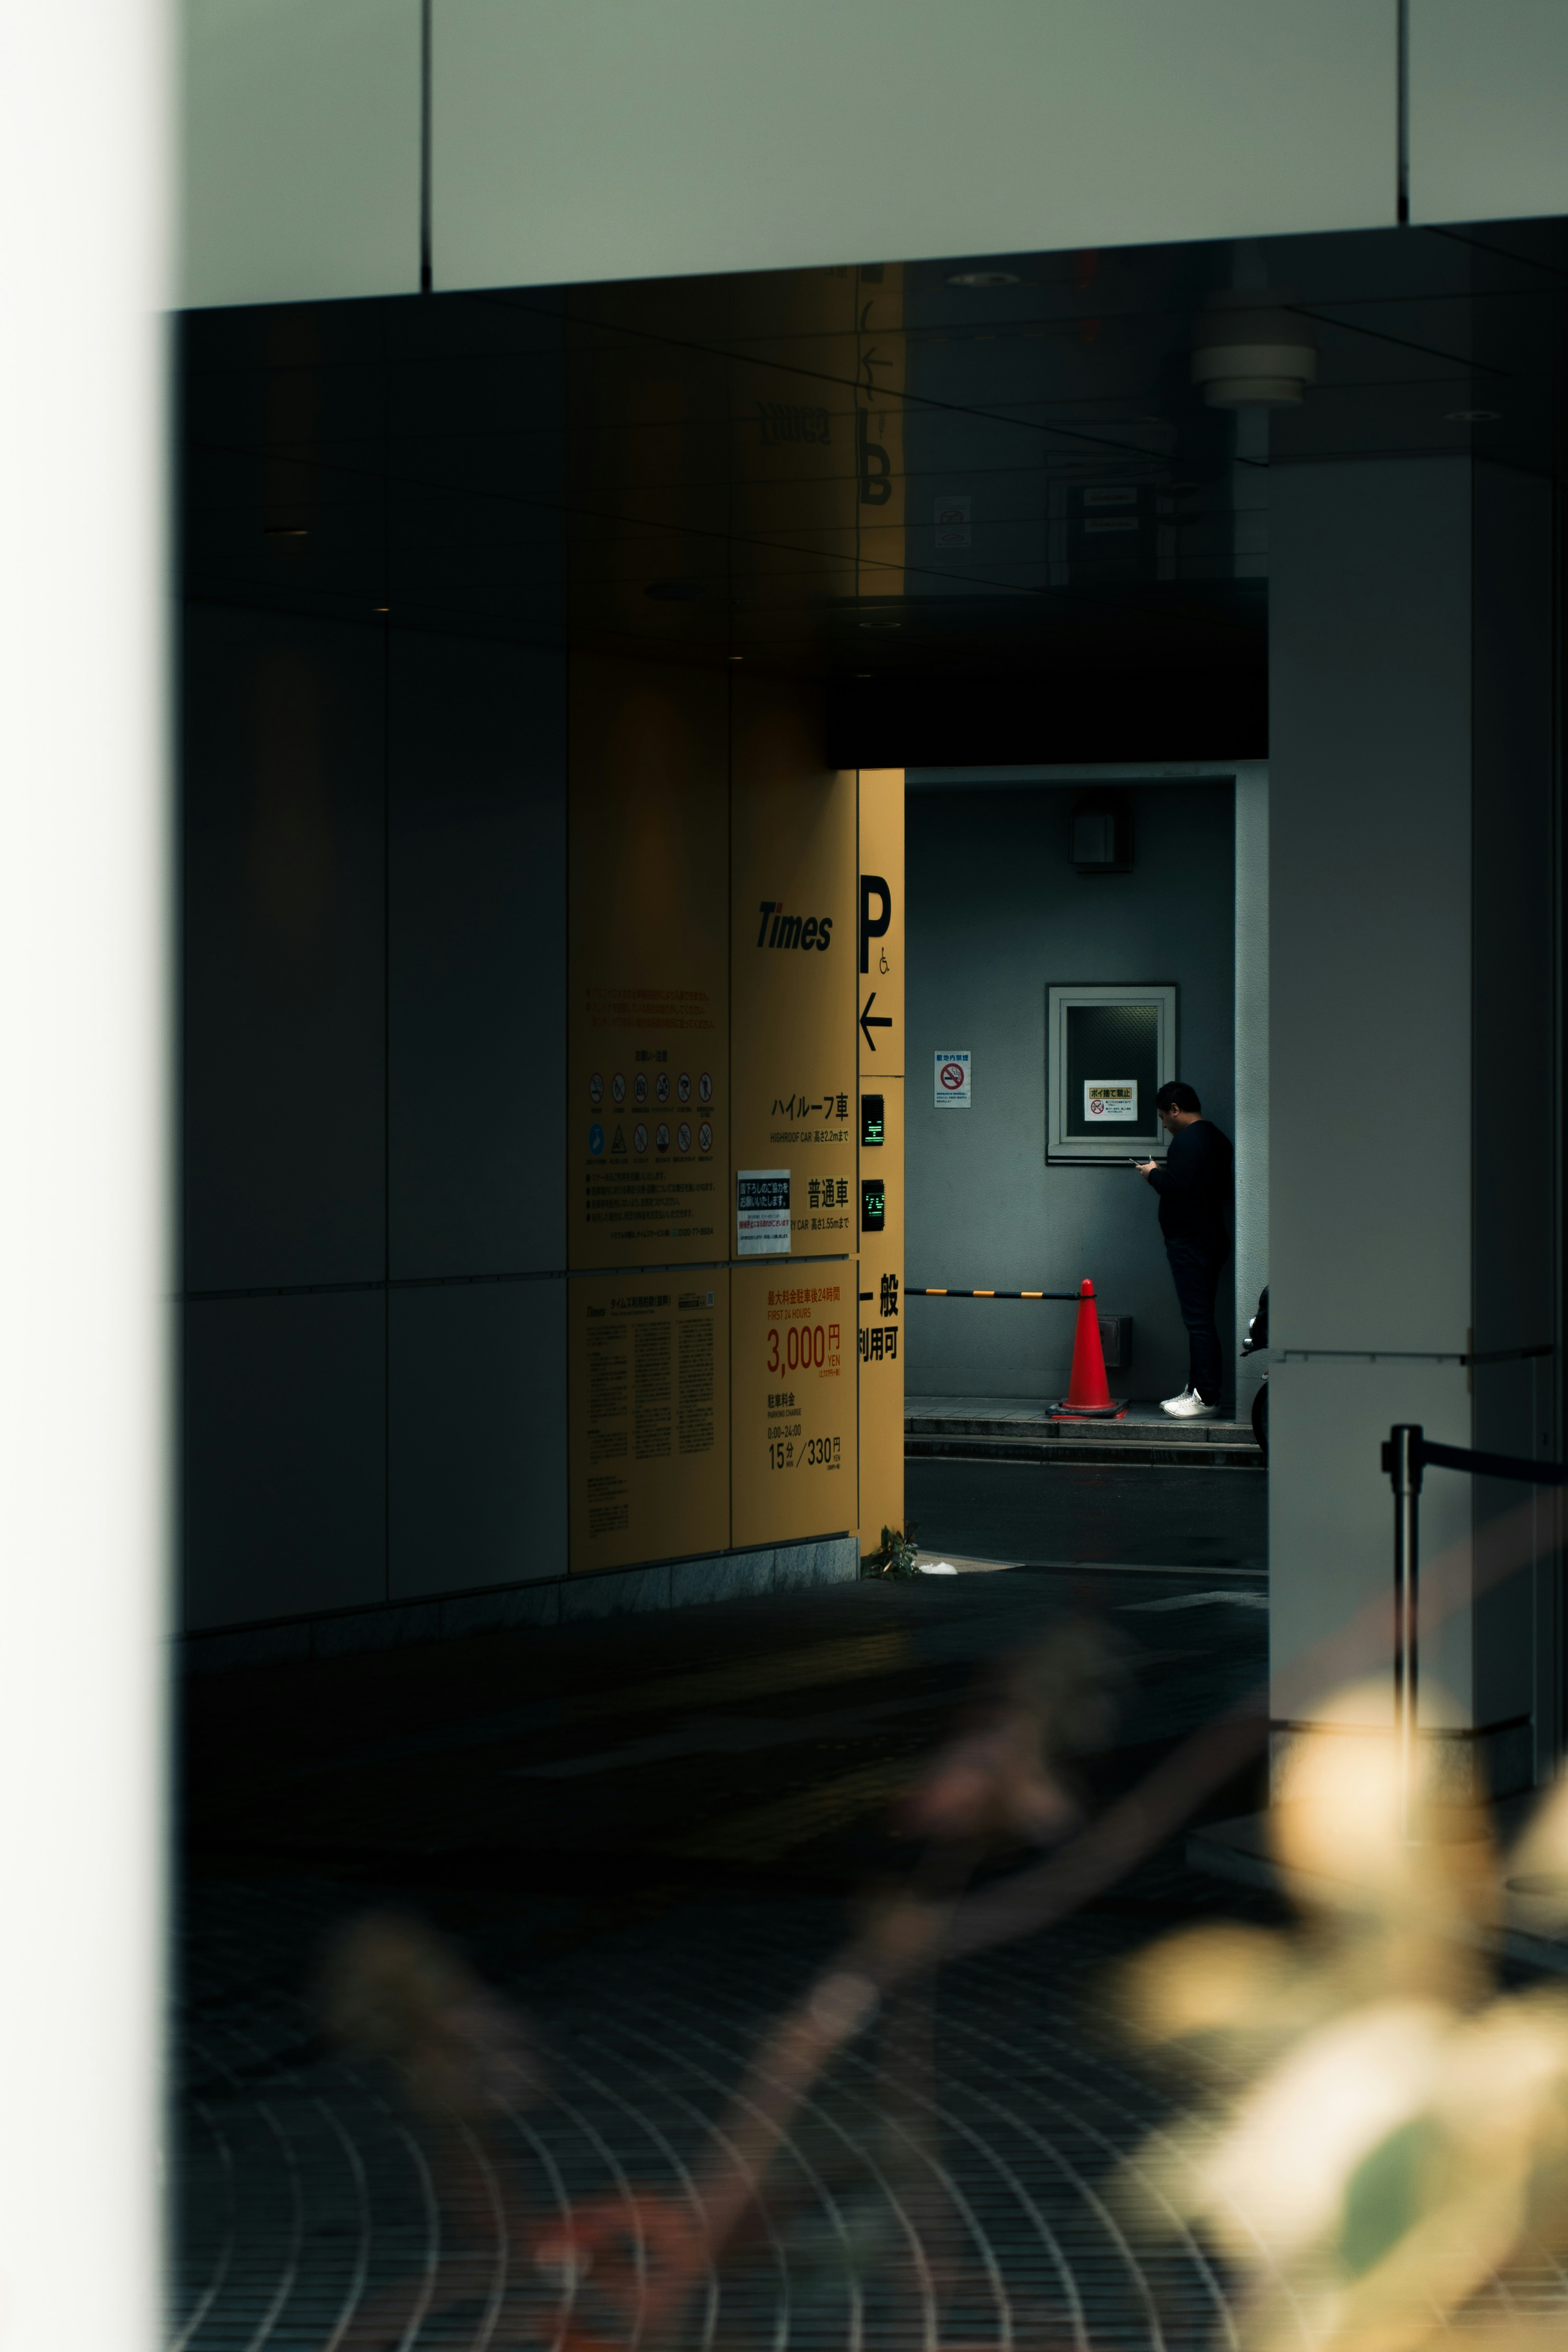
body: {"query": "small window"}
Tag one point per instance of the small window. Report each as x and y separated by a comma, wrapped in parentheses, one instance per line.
(1108, 1052)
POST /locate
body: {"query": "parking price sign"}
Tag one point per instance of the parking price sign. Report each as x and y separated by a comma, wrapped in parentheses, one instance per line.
(952, 1084)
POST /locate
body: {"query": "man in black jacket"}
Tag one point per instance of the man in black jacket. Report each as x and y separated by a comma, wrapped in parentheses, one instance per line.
(1195, 1189)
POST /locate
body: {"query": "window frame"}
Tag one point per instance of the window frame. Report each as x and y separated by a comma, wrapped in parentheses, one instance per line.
(1114, 1151)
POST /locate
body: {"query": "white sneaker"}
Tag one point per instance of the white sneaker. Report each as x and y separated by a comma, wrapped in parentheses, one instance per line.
(1190, 1406)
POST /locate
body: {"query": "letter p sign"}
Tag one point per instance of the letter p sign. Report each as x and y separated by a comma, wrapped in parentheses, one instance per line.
(872, 887)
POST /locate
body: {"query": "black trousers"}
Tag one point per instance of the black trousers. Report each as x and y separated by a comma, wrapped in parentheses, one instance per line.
(1195, 1272)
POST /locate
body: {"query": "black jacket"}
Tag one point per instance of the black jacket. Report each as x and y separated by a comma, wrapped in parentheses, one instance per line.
(1195, 1187)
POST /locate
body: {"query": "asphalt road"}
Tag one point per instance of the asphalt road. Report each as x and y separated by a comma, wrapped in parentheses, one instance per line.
(1064, 1511)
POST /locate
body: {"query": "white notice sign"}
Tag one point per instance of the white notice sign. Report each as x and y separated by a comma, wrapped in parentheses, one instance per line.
(952, 1081)
(1105, 1099)
(762, 1212)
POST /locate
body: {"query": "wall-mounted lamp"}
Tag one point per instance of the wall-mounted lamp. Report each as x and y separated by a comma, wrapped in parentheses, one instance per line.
(1247, 354)
(1102, 835)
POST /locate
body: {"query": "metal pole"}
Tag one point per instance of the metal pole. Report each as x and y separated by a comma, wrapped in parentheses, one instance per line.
(1402, 1460)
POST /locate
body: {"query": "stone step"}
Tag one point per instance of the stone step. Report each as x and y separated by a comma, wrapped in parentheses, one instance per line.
(1143, 1453)
(1019, 1430)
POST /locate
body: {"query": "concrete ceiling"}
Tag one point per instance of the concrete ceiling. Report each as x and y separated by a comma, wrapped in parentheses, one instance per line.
(896, 479)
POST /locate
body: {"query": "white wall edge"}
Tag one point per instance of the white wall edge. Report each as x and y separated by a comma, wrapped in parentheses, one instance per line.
(84, 866)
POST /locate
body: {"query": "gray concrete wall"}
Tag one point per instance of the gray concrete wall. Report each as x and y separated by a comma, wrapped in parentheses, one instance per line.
(1370, 1038)
(1370, 819)
(1251, 1264)
(1518, 1105)
(996, 914)
(1413, 1081)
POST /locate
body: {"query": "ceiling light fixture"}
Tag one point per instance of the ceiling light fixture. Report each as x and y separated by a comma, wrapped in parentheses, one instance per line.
(1249, 354)
(984, 278)
(1473, 416)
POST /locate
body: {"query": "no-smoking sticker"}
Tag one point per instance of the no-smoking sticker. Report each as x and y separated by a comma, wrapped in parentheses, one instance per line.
(952, 1081)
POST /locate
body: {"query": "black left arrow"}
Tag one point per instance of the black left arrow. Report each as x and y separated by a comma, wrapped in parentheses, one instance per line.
(870, 1021)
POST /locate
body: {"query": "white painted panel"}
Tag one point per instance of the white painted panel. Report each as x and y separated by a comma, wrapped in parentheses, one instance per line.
(83, 1174)
(593, 139)
(1489, 109)
(301, 148)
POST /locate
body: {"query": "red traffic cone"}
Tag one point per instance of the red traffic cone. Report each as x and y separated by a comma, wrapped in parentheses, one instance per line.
(1087, 1393)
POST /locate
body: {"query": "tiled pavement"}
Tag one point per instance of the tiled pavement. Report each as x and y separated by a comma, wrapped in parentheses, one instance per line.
(973, 2193)
(646, 1834)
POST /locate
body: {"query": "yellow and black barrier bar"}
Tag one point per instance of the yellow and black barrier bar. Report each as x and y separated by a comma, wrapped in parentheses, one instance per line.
(1073, 1296)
